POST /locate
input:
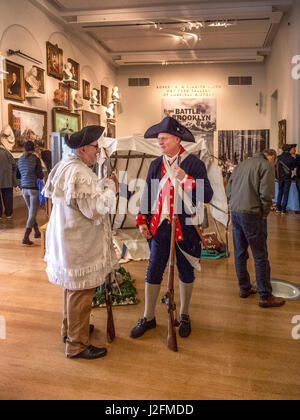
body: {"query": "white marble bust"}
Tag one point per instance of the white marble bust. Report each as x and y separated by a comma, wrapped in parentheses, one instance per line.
(7, 138)
(110, 112)
(33, 85)
(68, 75)
(78, 101)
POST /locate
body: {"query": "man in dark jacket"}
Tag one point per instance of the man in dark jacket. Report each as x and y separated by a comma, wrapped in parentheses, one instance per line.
(156, 212)
(250, 190)
(8, 169)
(285, 165)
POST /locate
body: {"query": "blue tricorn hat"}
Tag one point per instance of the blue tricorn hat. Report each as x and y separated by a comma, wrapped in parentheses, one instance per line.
(171, 126)
(84, 137)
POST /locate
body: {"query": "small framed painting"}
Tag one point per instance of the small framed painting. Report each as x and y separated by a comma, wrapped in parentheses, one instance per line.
(14, 83)
(86, 90)
(104, 96)
(54, 61)
(90, 118)
(65, 122)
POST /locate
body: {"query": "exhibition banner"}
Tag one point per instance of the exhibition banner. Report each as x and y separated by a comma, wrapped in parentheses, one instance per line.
(196, 114)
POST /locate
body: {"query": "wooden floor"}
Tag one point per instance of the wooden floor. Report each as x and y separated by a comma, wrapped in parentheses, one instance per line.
(236, 350)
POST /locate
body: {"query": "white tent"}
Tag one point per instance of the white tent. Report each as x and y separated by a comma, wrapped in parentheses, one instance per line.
(131, 158)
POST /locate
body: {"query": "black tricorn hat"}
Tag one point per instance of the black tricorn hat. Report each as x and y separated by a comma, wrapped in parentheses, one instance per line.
(171, 126)
(84, 137)
(288, 147)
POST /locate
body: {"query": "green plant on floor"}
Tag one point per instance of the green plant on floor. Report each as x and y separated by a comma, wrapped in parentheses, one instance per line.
(123, 292)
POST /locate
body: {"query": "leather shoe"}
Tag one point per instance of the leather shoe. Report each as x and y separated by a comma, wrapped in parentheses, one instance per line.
(272, 302)
(142, 326)
(90, 353)
(92, 327)
(185, 326)
(251, 291)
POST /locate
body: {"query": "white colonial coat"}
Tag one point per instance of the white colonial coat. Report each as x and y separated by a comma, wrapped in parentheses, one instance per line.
(79, 250)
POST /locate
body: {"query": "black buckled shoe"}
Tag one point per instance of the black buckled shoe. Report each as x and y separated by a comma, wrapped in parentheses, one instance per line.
(142, 326)
(92, 327)
(90, 353)
(185, 326)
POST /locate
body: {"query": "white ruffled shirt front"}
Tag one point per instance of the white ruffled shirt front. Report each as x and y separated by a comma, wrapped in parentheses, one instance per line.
(79, 249)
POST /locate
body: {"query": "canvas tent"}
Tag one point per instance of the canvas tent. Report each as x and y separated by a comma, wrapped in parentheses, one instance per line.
(131, 158)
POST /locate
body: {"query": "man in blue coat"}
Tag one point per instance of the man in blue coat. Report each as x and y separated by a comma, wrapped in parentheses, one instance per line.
(286, 162)
(155, 216)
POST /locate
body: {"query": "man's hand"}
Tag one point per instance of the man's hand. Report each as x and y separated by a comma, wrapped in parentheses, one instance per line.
(145, 231)
(115, 179)
(179, 173)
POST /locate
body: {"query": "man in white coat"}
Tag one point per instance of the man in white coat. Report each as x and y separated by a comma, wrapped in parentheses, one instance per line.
(79, 251)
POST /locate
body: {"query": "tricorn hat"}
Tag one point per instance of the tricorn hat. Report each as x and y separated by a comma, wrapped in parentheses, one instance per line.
(84, 137)
(288, 147)
(171, 126)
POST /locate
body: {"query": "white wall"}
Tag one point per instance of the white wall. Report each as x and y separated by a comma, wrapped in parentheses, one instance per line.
(279, 76)
(236, 105)
(24, 27)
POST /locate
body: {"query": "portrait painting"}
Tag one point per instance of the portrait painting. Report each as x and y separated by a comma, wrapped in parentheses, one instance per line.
(282, 133)
(72, 74)
(86, 89)
(14, 83)
(111, 131)
(104, 96)
(41, 78)
(90, 118)
(66, 122)
(65, 95)
(54, 61)
(28, 124)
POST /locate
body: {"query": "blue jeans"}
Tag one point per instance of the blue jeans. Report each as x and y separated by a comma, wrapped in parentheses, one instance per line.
(31, 198)
(298, 188)
(284, 186)
(251, 230)
(159, 257)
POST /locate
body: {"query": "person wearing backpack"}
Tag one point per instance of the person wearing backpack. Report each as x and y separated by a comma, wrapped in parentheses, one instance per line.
(285, 165)
(29, 171)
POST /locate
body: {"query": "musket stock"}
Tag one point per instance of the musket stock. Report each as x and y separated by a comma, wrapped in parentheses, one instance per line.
(110, 319)
(110, 330)
(169, 298)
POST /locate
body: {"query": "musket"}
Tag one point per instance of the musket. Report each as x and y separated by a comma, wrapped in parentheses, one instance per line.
(110, 329)
(169, 298)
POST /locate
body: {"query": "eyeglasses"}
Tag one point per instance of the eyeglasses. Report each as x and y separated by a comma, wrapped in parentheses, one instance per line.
(96, 146)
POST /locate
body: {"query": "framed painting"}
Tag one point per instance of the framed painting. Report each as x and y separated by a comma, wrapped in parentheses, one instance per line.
(14, 83)
(86, 90)
(65, 96)
(65, 122)
(54, 61)
(111, 131)
(281, 133)
(41, 78)
(28, 124)
(72, 74)
(104, 96)
(90, 118)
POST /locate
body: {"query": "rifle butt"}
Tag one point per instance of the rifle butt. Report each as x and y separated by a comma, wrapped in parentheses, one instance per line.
(111, 333)
(172, 339)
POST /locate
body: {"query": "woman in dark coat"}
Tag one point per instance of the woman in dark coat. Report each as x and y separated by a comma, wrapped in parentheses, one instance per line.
(30, 170)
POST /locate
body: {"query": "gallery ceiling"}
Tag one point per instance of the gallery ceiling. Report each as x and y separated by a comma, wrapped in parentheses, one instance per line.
(139, 32)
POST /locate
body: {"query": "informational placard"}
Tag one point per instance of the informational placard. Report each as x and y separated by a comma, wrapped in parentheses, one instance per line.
(197, 114)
